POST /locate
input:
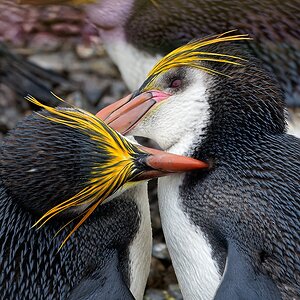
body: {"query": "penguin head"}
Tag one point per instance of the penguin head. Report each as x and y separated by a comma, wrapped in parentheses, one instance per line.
(207, 86)
(65, 162)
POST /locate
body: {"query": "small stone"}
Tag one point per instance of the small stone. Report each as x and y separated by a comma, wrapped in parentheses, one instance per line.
(95, 88)
(85, 51)
(160, 251)
(170, 276)
(118, 89)
(76, 98)
(64, 29)
(105, 101)
(45, 42)
(99, 49)
(103, 67)
(155, 294)
(9, 118)
(51, 61)
(174, 291)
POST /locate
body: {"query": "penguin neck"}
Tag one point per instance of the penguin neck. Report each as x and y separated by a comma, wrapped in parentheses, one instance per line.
(133, 64)
(141, 246)
(240, 116)
(189, 248)
(239, 126)
(197, 272)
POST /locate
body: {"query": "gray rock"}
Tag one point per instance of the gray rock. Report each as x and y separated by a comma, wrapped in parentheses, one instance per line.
(118, 89)
(85, 51)
(95, 88)
(45, 42)
(51, 61)
(174, 291)
(160, 251)
(103, 67)
(76, 98)
(155, 294)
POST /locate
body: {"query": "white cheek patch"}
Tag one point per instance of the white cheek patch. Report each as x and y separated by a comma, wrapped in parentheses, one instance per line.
(180, 118)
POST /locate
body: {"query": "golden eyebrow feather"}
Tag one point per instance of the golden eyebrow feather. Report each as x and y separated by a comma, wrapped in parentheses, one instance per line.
(191, 54)
(114, 172)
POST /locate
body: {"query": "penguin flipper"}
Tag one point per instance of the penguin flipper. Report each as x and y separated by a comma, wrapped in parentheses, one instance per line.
(241, 282)
(105, 283)
(25, 77)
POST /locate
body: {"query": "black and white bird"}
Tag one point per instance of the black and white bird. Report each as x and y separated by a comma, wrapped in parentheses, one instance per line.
(137, 33)
(64, 167)
(232, 230)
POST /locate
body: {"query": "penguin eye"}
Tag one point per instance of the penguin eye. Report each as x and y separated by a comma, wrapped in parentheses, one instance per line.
(176, 83)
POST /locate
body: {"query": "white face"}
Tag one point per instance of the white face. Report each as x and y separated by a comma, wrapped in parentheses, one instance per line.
(179, 119)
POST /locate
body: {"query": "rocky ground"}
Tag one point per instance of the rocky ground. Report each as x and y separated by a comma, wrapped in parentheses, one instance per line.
(58, 40)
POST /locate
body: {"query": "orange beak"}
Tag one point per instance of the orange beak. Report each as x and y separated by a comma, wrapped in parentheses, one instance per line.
(126, 113)
(160, 163)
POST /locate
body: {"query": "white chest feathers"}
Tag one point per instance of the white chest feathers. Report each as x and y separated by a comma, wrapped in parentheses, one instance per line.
(141, 246)
(191, 253)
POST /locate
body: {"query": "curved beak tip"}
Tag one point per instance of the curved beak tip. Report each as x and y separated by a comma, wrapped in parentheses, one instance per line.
(125, 114)
(162, 163)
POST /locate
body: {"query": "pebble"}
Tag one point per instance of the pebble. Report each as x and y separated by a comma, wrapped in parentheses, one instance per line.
(46, 42)
(103, 67)
(85, 51)
(95, 88)
(76, 99)
(156, 275)
(174, 291)
(51, 61)
(155, 294)
(160, 251)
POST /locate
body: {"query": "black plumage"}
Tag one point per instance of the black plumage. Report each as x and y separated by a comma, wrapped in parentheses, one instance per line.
(57, 167)
(245, 207)
(160, 26)
(248, 203)
(32, 268)
(43, 163)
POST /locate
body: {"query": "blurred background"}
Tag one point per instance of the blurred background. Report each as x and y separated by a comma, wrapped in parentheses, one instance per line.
(57, 39)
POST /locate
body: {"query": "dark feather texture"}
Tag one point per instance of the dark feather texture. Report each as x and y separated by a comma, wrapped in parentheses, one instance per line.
(44, 163)
(247, 204)
(31, 267)
(251, 196)
(162, 25)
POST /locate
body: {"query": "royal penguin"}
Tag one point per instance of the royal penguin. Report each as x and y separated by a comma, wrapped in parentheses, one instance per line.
(232, 229)
(140, 32)
(63, 170)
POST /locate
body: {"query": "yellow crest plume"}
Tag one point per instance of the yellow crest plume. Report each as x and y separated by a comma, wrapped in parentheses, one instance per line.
(108, 176)
(191, 54)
